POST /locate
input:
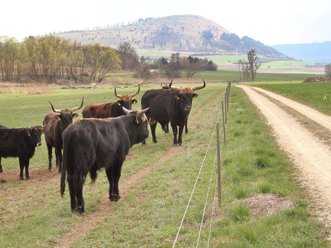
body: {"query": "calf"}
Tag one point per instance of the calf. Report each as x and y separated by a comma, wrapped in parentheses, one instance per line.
(54, 124)
(21, 143)
(90, 144)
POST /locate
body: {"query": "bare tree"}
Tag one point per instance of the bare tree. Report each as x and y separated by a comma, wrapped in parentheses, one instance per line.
(128, 56)
(328, 71)
(253, 65)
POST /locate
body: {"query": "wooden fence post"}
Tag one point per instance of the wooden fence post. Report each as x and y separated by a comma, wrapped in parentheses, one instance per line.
(223, 118)
(219, 182)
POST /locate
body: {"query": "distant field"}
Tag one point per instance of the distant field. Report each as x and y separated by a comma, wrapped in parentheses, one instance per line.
(234, 75)
(226, 62)
(315, 95)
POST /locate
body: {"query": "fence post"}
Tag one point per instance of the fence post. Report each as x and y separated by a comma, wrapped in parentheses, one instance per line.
(223, 118)
(219, 183)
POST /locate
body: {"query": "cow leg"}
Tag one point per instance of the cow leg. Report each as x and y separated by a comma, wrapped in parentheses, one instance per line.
(153, 127)
(111, 182)
(180, 133)
(116, 178)
(26, 165)
(186, 130)
(0, 166)
(21, 160)
(59, 155)
(174, 131)
(73, 202)
(79, 179)
(49, 148)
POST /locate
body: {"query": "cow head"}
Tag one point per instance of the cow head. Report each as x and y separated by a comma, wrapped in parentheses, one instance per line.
(166, 86)
(66, 115)
(127, 100)
(140, 123)
(34, 135)
(185, 96)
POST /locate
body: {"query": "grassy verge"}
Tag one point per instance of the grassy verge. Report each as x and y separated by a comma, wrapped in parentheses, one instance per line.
(316, 95)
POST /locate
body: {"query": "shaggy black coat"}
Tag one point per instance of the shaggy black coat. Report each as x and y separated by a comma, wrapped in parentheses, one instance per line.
(21, 143)
(168, 105)
(90, 144)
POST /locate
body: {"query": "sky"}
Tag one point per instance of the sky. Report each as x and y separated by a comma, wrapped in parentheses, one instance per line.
(270, 22)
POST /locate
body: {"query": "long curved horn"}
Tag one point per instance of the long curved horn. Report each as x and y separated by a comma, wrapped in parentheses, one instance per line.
(81, 105)
(118, 95)
(54, 110)
(199, 87)
(136, 92)
(127, 111)
(141, 112)
(170, 84)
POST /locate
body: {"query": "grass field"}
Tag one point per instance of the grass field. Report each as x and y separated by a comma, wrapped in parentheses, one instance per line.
(316, 95)
(260, 77)
(33, 214)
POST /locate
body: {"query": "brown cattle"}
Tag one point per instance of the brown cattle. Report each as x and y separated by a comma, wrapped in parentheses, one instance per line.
(110, 109)
(54, 124)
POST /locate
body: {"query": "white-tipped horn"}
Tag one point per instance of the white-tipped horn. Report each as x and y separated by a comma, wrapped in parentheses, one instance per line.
(127, 111)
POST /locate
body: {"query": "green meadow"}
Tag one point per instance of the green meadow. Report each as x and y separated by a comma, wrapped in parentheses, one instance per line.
(32, 213)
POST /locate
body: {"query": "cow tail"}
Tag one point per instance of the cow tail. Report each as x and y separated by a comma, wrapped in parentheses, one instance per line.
(64, 166)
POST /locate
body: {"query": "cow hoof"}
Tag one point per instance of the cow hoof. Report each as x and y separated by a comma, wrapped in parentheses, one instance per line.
(78, 210)
(114, 198)
(1, 170)
(27, 178)
(21, 178)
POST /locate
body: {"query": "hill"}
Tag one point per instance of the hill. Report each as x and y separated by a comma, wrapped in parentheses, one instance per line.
(314, 52)
(181, 33)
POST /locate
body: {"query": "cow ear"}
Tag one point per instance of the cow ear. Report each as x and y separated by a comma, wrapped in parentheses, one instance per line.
(195, 95)
(134, 101)
(28, 132)
(177, 96)
(75, 115)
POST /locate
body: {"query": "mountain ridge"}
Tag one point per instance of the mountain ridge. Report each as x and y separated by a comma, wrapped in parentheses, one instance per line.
(178, 33)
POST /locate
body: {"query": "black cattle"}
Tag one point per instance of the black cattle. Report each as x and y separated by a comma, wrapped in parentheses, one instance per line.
(1, 170)
(90, 144)
(172, 106)
(21, 143)
(111, 109)
(54, 124)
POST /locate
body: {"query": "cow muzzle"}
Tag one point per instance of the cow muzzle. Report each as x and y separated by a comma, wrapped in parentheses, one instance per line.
(187, 108)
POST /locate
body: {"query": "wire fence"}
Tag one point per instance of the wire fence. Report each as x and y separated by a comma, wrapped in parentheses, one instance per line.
(217, 160)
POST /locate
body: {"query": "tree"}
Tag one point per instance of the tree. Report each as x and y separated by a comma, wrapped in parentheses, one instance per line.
(328, 71)
(128, 56)
(253, 65)
(9, 53)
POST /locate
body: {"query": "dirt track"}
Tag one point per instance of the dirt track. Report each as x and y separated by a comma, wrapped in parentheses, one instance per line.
(311, 157)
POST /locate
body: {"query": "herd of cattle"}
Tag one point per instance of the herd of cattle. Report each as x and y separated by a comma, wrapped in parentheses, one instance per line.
(101, 139)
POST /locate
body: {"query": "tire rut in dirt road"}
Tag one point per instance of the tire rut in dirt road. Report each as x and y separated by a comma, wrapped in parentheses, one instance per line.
(91, 221)
(310, 156)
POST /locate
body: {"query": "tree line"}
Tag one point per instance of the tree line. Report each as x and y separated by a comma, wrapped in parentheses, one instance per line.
(50, 59)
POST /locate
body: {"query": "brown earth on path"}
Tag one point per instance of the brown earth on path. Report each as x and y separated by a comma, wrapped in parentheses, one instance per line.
(311, 157)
